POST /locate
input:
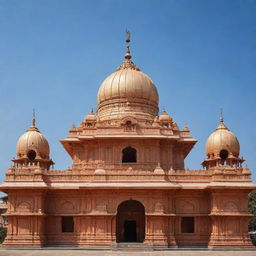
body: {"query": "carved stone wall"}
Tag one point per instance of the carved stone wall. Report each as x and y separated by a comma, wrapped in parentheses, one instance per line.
(109, 152)
(219, 217)
(230, 217)
(25, 218)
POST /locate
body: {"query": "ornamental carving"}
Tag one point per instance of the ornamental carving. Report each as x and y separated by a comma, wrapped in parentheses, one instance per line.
(231, 206)
(127, 64)
(24, 207)
(159, 207)
(187, 206)
(67, 207)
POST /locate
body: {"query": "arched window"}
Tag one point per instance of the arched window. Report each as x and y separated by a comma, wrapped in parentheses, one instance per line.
(224, 154)
(31, 155)
(129, 155)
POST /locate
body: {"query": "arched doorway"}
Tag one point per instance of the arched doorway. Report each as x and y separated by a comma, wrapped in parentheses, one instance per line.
(130, 222)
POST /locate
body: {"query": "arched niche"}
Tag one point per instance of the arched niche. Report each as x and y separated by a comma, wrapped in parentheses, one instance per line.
(129, 155)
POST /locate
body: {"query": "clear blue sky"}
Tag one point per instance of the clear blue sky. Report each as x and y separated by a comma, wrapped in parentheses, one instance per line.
(55, 54)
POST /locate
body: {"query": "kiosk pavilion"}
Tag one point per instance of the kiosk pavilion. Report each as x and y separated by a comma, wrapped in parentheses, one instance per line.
(127, 182)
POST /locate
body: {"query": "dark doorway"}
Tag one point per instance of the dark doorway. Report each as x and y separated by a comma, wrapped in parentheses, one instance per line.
(130, 222)
(67, 224)
(130, 233)
(129, 155)
(187, 225)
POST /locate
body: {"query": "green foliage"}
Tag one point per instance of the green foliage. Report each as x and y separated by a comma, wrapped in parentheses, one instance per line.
(252, 202)
(3, 232)
(252, 209)
(253, 237)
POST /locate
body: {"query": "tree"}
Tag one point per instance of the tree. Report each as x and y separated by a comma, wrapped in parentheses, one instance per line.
(252, 209)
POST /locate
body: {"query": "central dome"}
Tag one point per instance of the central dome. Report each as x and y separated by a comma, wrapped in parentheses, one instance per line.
(129, 84)
(127, 91)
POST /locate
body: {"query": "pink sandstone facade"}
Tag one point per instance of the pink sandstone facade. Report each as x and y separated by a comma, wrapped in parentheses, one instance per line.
(127, 182)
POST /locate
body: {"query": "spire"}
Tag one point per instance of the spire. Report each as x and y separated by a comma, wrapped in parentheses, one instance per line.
(128, 34)
(33, 125)
(34, 118)
(221, 124)
(127, 63)
(128, 53)
(164, 111)
(221, 116)
(128, 40)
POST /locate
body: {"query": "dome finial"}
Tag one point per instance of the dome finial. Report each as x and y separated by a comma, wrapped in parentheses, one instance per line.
(221, 124)
(221, 116)
(127, 63)
(128, 36)
(33, 125)
(34, 118)
(128, 40)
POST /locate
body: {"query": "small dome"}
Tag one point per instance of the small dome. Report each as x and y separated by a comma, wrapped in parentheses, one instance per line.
(32, 143)
(164, 117)
(222, 142)
(99, 171)
(159, 170)
(91, 117)
(185, 128)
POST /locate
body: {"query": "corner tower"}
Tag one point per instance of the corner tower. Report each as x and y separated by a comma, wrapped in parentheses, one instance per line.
(222, 148)
(32, 148)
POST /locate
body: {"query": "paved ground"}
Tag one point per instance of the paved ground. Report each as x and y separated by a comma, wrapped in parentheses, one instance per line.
(4, 252)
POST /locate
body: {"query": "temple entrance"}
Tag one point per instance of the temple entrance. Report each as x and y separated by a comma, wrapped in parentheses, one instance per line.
(130, 222)
(130, 233)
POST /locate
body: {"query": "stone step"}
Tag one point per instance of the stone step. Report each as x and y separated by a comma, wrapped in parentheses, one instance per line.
(132, 247)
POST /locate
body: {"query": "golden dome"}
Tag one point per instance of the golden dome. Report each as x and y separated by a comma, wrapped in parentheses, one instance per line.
(32, 144)
(127, 91)
(222, 141)
(164, 117)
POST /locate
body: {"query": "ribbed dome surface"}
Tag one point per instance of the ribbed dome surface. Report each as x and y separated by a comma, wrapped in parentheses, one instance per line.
(32, 140)
(222, 139)
(129, 84)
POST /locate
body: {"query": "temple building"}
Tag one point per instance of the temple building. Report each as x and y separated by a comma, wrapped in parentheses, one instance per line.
(127, 183)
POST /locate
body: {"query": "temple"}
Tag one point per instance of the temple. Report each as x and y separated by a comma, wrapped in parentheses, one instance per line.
(127, 183)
